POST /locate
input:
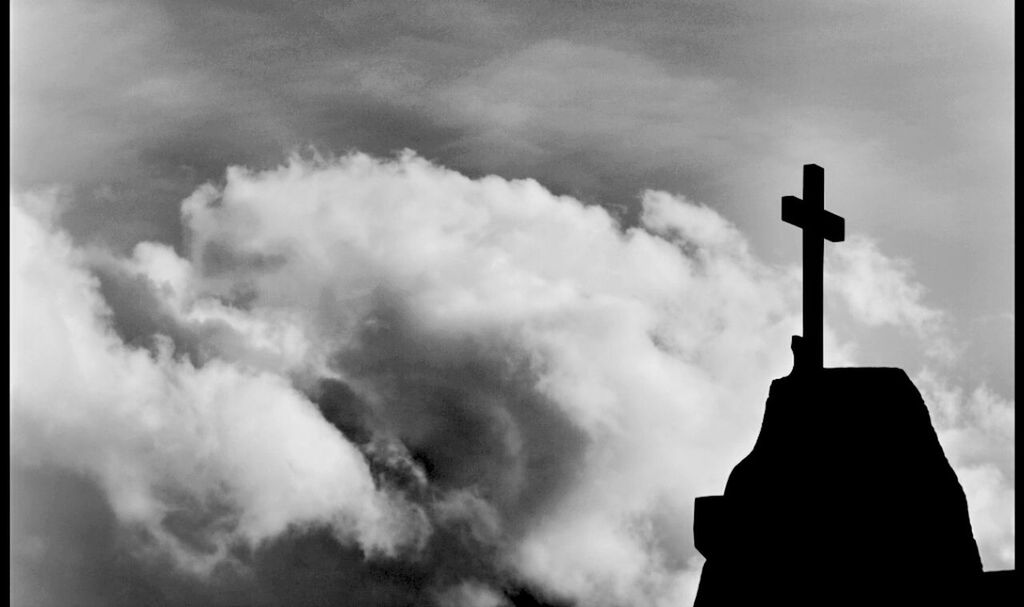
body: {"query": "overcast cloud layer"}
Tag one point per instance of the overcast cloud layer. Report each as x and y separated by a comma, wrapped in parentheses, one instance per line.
(908, 107)
(489, 385)
(373, 379)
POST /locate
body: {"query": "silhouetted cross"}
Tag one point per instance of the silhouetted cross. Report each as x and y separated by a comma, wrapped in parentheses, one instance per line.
(818, 225)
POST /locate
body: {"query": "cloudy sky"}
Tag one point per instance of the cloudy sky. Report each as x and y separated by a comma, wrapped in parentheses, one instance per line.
(463, 303)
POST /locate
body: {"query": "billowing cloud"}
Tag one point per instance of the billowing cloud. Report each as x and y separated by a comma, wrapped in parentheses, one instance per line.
(199, 459)
(481, 386)
(592, 359)
(879, 291)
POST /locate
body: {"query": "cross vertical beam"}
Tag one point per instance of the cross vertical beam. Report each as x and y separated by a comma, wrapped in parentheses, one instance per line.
(818, 225)
(814, 255)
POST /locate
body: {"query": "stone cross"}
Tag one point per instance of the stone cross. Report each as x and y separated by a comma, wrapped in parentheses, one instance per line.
(818, 225)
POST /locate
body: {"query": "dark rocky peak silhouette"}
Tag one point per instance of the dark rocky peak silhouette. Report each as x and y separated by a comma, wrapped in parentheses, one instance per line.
(846, 499)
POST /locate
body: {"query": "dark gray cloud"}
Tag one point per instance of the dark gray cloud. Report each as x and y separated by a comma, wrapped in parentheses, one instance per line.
(467, 409)
(89, 559)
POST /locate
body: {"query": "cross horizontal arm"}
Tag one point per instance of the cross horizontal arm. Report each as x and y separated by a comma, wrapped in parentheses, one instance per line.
(793, 211)
(832, 227)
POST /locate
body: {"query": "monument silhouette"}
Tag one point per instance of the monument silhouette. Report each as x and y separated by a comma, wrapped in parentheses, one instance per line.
(847, 497)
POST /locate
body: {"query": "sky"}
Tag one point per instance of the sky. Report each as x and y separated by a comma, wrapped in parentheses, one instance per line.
(463, 303)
